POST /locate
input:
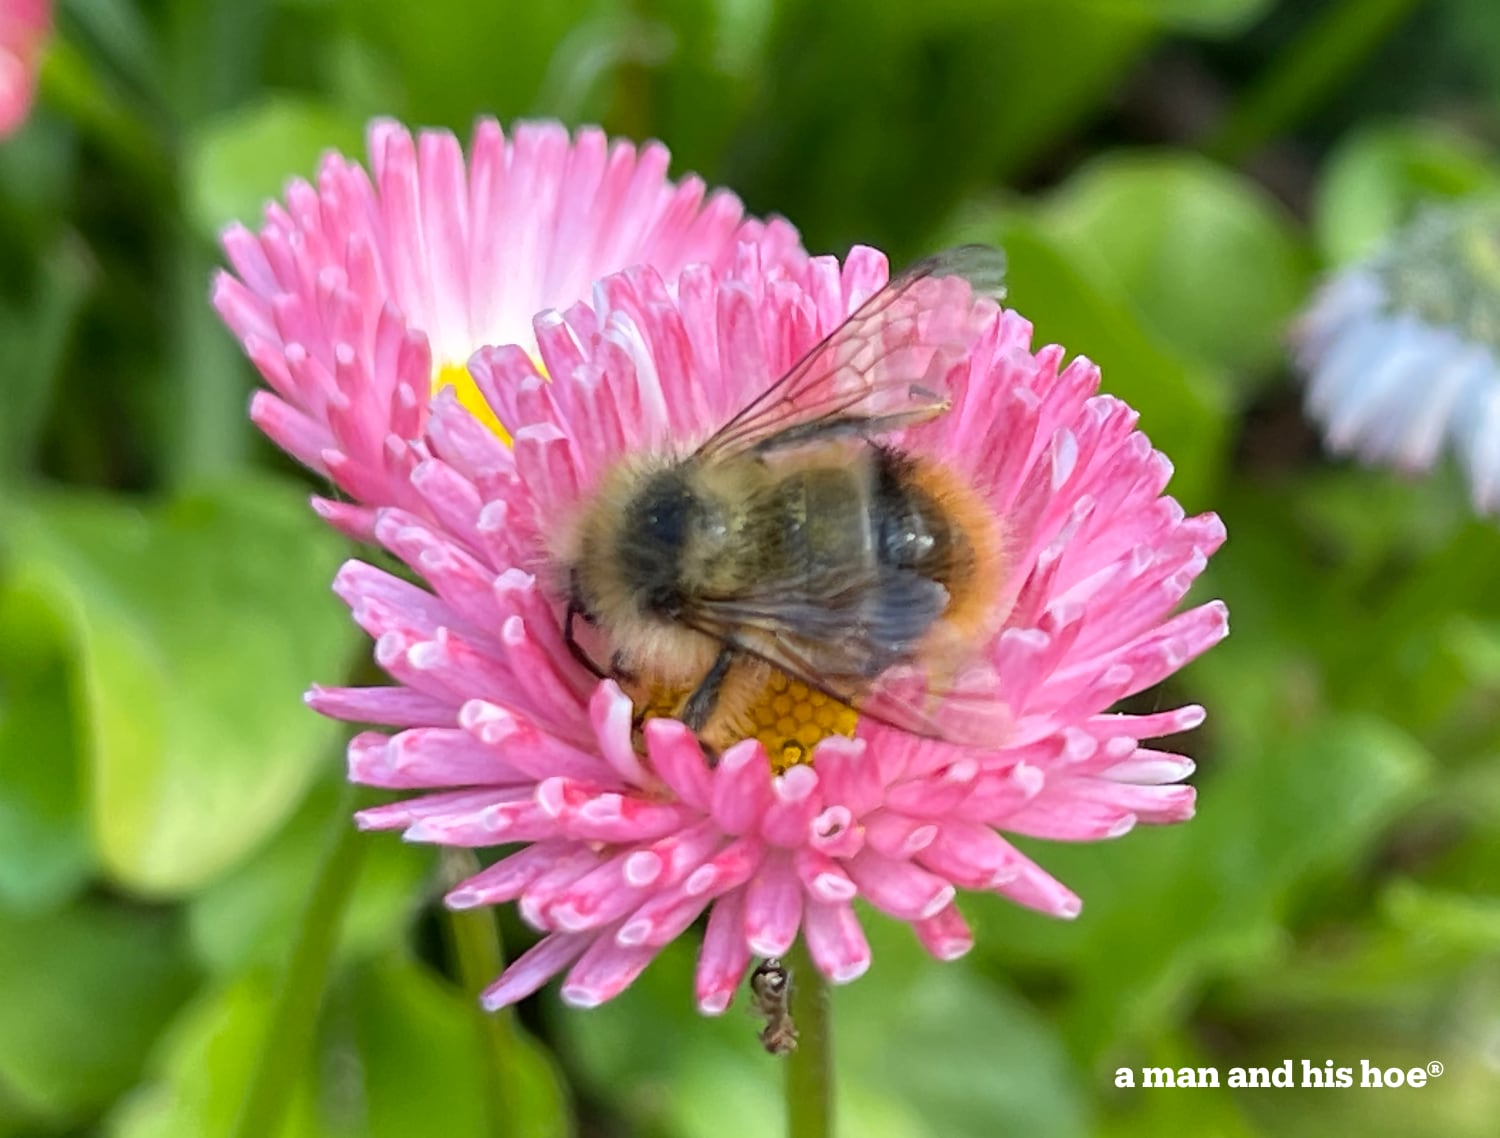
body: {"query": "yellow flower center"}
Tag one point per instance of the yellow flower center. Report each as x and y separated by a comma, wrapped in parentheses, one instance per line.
(788, 717)
(791, 718)
(457, 377)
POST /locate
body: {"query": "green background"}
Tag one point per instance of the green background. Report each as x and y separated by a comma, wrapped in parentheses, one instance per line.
(1169, 178)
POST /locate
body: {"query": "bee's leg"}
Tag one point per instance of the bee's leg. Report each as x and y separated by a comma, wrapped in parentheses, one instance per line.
(574, 609)
(700, 705)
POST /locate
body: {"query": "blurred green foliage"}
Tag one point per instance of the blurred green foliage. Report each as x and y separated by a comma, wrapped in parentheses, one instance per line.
(166, 800)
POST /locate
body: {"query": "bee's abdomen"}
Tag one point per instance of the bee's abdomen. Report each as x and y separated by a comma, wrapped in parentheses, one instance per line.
(822, 521)
(872, 546)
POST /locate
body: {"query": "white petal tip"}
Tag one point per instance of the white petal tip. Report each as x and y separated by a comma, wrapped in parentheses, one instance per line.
(765, 946)
(848, 973)
(715, 1003)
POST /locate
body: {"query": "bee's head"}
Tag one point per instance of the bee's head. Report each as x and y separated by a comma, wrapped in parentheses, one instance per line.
(659, 521)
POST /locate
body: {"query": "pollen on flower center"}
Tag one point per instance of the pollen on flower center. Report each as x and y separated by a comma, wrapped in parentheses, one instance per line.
(457, 377)
(788, 717)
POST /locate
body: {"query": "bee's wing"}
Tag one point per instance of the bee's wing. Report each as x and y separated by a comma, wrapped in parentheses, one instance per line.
(883, 368)
(965, 707)
(853, 640)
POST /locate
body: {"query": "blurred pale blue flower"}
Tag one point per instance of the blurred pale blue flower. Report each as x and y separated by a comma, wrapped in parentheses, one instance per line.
(1402, 351)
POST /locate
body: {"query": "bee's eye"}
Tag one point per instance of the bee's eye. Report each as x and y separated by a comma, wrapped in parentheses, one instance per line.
(667, 521)
(666, 509)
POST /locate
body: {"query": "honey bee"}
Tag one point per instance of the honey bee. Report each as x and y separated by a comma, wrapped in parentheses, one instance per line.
(771, 989)
(799, 539)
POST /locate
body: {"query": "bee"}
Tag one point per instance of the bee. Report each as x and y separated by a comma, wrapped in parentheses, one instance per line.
(799, 538)
(771, 989)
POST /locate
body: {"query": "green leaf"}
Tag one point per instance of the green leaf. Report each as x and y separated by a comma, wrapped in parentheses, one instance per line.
(1461, 1102)
(1466, 811)
(1429, 619)
(84, 993)
(34, 341)
(1458, 920)
(1380, 174)
(1200, 1111)
(398, 1055)
(516, 1069)
(1210, 264)
(216, 57)
(647, 1053)
(1366, 520)
(238, 161)
(201, 427)
(197, 626)
(1206, 17)
(459, 59)
(1221, 18)
(1166, 910)
(719, 1090)
(697, 91)
(119, 33)
(202, 1068)
(1270, 827)
(412, 1030)
(247, 918)
(1183, 410)
(978, 96)
(44, 841)
(968, 1056)
(1473, 37)
(38, 167)
(1331, 45)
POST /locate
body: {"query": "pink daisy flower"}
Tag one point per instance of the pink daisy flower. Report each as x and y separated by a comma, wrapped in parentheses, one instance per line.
(624, 838)
(365, 293)
(24, 25)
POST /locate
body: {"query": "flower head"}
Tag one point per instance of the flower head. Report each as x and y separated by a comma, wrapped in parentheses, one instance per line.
(1401, 349)
(626, 838)
(23, 29)
(366, 292)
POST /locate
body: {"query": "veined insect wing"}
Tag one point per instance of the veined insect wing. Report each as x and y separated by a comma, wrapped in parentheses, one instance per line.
(885, 367)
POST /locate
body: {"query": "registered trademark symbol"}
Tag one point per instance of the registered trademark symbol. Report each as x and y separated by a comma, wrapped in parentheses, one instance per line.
(1434, 1068)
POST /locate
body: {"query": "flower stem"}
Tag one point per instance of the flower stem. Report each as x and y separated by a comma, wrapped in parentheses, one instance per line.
(294, 1016)
(809, 1069)
(1332, 45)
(475, 941)
(67, 82)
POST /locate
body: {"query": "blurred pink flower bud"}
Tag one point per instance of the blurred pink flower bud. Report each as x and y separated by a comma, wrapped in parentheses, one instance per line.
(24, 25)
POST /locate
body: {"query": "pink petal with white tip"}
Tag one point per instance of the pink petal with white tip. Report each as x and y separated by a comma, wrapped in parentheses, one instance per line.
(535, 967)
(773, 908)
(724, 956)
(836, 942)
